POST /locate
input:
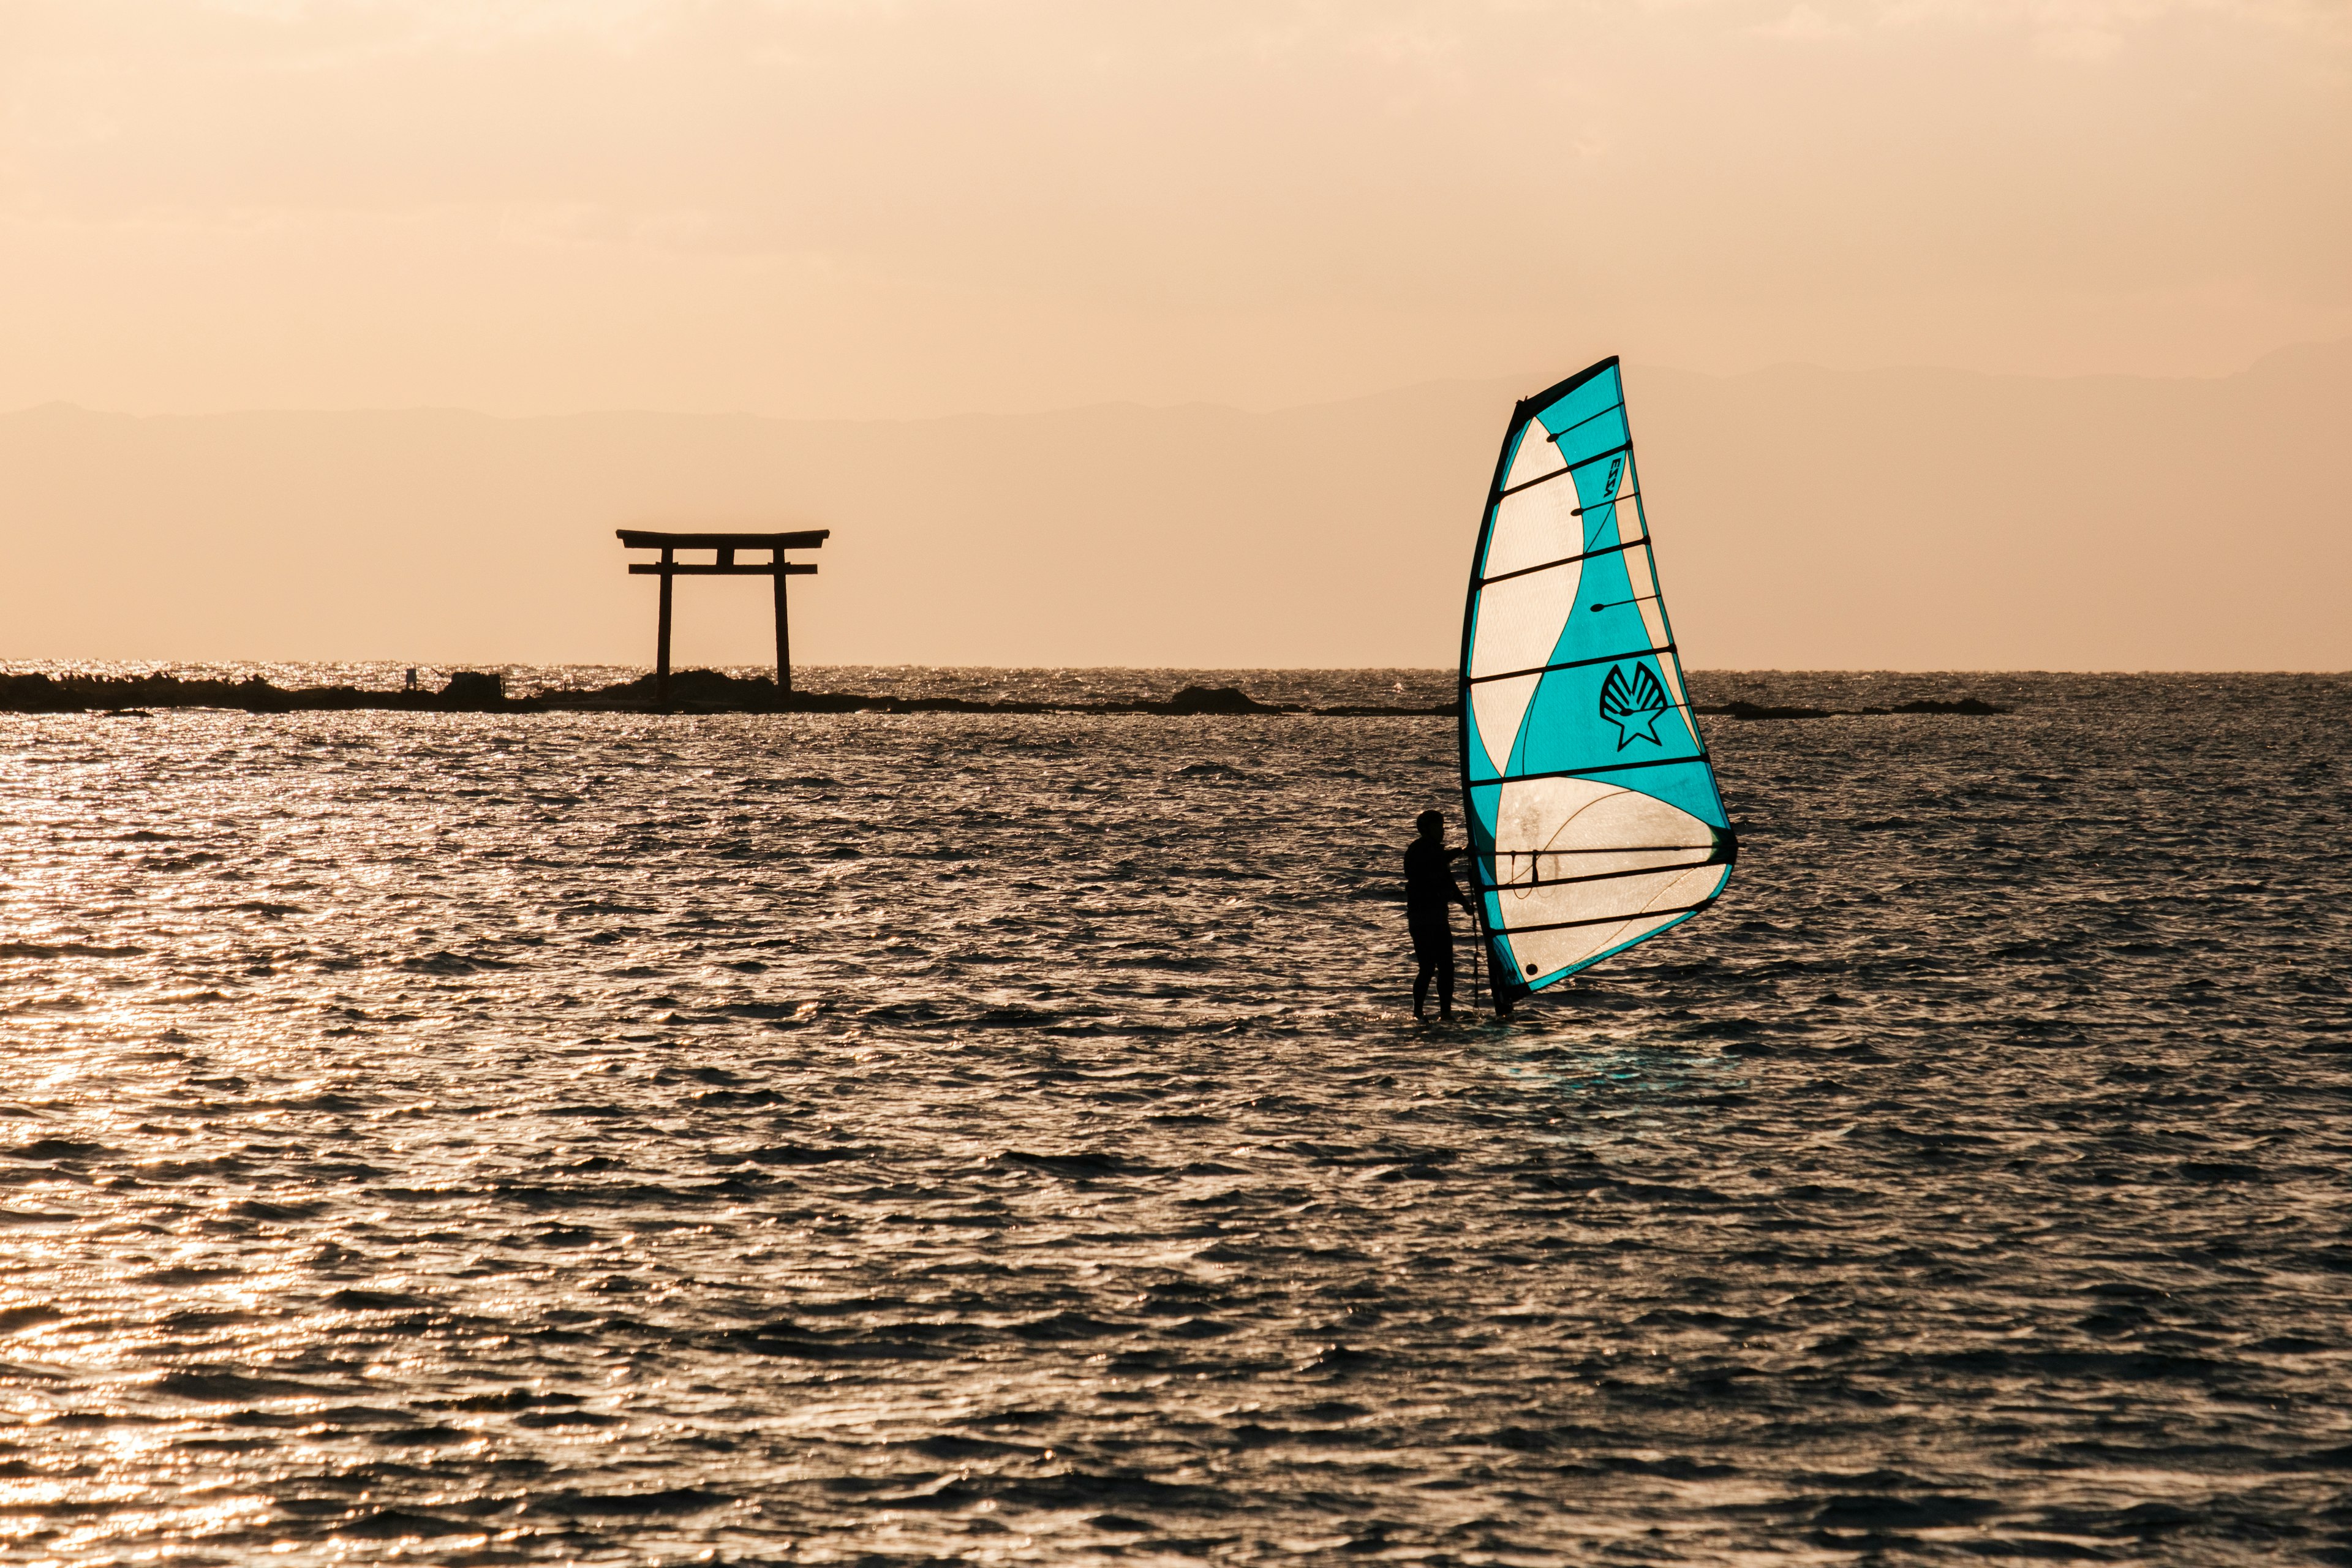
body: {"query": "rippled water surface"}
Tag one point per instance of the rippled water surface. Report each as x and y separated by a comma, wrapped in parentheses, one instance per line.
(902, 1139)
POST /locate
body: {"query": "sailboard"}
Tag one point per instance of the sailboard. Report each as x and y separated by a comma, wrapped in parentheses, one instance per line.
(1593, 815)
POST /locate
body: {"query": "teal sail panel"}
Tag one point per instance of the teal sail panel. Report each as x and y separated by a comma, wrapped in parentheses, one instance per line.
(1593, 814)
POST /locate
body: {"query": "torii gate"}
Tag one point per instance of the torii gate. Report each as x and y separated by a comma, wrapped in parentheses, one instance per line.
(724, 566)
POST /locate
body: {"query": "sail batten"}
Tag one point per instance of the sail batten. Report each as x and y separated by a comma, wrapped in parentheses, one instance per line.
(1570, 664)
(1595, 822)
(1563, 561)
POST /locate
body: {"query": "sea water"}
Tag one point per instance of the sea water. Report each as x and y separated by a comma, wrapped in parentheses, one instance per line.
(907, 1139)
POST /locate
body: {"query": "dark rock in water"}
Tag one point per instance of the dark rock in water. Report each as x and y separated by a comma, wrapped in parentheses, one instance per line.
(1972, 706)
(36, 694)
(475, 686)
(123, 694)
(1382, 711)
(1214, 699)
(691, 687)
(257, 695)
(717, 686)
(1763, 710)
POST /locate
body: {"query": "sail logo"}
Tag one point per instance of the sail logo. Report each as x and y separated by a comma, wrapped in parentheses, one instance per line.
(1635, 704)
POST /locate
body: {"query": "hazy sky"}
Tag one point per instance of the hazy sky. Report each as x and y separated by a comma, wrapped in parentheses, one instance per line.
(867, 207)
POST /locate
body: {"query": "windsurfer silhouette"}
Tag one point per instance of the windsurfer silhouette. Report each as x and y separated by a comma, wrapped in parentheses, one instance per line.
(1430, 895)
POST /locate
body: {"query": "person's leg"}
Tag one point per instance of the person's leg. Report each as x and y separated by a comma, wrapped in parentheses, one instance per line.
(1445, 982)
(1425, 952)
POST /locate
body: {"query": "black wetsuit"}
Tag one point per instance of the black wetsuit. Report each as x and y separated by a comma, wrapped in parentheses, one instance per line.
(1430, 896)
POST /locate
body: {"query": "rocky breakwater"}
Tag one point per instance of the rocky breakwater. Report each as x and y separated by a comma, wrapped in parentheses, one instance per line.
(467, 691)
(690, 691)
(714, 691)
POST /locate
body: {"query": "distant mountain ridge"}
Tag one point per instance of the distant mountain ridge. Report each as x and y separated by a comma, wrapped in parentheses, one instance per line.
(1806, 519)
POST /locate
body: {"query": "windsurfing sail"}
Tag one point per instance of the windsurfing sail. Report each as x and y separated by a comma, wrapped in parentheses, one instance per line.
(1593, 814)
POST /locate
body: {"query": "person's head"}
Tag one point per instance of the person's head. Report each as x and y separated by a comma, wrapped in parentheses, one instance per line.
(1432, 824)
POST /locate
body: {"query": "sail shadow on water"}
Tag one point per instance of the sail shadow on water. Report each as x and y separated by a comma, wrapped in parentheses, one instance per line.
(1593, 815)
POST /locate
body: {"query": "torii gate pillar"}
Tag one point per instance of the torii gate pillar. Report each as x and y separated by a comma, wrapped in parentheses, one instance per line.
(724, 565)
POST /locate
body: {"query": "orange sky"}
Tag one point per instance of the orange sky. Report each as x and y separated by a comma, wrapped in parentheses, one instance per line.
(861, 208)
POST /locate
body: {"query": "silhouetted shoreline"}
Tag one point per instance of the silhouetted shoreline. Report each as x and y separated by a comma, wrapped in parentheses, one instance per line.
(690, 691)
(712, 691)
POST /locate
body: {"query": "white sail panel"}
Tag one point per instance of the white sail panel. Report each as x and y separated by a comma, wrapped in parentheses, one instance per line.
(1558, 819)
(1582, 867)
(1534, 526)
(1520, 618)
(1500, 706)
(1537, 457)
(1550, 951)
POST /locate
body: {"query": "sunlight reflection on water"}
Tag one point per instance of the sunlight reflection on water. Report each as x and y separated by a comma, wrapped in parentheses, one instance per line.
(616, 1138)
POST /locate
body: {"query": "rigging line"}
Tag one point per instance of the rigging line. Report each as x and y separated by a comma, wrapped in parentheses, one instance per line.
(1502, 779)
(1624, 446)
(1571, 467)
(1553, 436)
(1714, 858)
(1597, 506)
(1570, 664)
(1607, 849)
(1563, 561)
(1525, 888)
(1474, 974)
(1540, 479)
(1613, 521)
(1690, 716)
(1615, 604)
(1609, 919)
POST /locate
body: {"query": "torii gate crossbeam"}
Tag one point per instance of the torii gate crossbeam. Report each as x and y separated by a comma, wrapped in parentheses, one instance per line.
(724, 545)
